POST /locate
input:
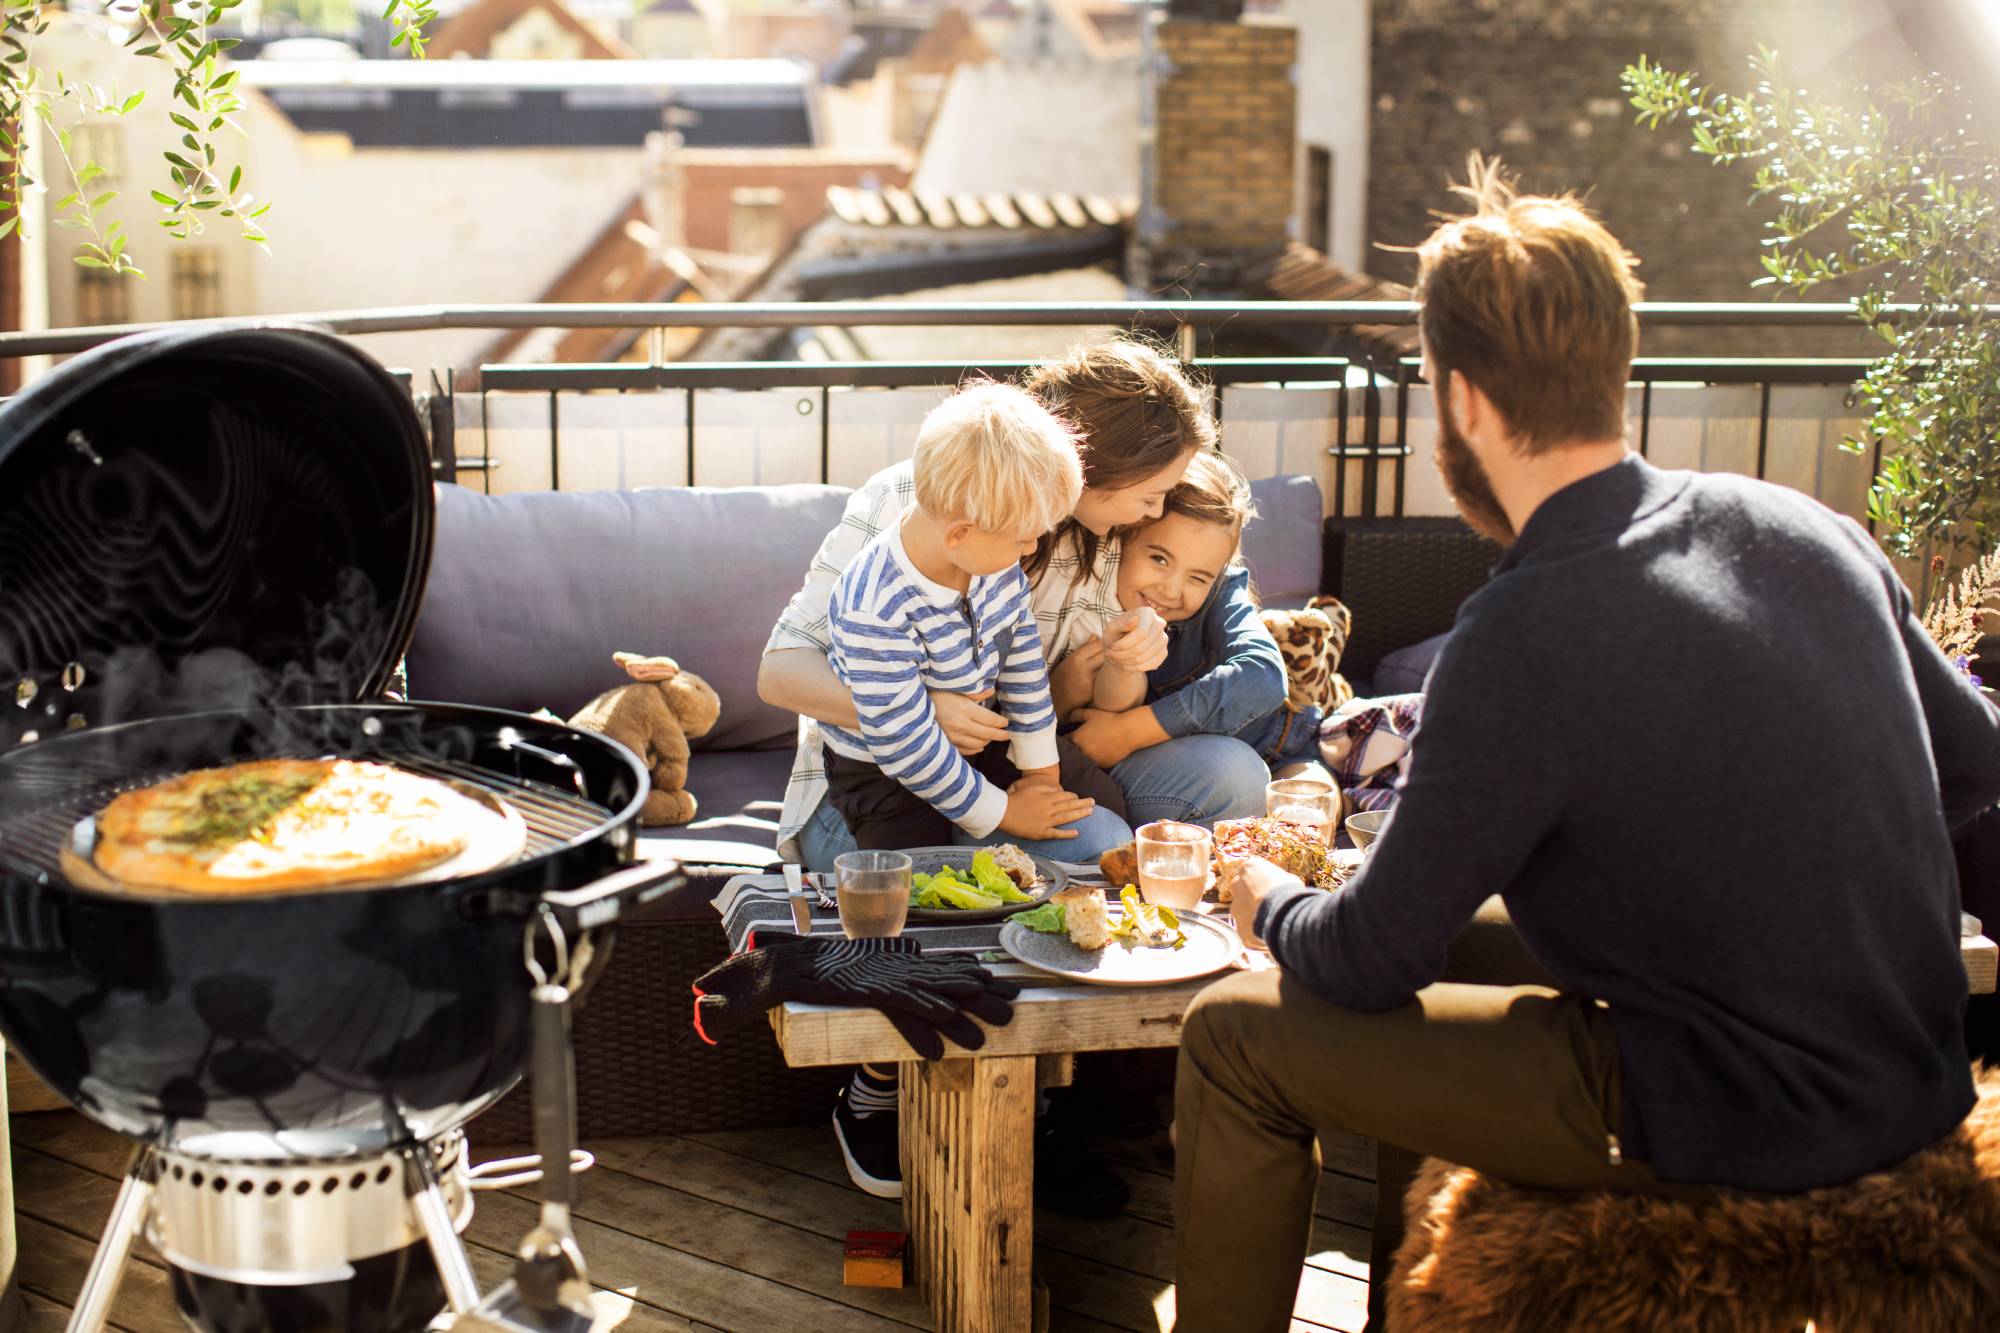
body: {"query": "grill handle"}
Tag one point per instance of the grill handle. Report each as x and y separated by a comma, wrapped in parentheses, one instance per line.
(596, 904)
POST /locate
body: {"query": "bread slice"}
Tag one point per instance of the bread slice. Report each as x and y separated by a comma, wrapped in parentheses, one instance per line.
(1084, 912)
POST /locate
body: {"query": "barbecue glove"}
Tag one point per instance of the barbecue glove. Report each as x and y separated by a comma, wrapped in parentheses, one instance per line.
(926, 999)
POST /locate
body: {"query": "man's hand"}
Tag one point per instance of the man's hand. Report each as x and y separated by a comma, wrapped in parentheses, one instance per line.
(1248, 881)
(1073, 679)
(967, 723)
(1037, 808)
(1136, 641)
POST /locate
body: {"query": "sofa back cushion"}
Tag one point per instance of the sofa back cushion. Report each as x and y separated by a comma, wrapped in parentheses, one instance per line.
(530, 594)
(1282, 544)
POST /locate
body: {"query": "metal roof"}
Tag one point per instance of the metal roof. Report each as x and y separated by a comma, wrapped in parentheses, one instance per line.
(1017, 211)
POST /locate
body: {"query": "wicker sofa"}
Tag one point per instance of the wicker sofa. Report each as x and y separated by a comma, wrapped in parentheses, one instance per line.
(530, 594)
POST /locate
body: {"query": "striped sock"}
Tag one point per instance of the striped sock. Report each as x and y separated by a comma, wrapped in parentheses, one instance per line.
(872, 1090)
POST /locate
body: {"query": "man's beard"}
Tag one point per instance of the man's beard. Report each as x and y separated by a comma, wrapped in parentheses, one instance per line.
(1466, 480)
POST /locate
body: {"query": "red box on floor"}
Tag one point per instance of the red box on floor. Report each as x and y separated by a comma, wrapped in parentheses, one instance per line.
(874, 1258)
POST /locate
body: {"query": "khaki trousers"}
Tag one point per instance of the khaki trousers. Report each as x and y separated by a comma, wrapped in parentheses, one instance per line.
(1518, 1080)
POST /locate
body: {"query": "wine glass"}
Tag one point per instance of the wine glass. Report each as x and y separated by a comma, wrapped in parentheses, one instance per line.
(1174, 862)
(873, 893)
(1308, 801)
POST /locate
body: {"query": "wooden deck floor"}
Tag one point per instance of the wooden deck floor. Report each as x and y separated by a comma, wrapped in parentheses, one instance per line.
(738, 1232)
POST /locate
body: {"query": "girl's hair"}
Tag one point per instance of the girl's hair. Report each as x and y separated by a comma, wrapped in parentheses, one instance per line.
(1138, 411)
(1214, 490)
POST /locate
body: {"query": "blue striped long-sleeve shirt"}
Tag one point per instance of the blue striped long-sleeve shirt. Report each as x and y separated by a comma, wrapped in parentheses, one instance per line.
(896, 636)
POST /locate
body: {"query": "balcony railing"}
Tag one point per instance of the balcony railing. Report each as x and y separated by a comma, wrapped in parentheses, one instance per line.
(1355, 423)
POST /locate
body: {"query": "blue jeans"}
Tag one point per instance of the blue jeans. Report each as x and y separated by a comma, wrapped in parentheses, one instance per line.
(825, 836)
(1197, 779)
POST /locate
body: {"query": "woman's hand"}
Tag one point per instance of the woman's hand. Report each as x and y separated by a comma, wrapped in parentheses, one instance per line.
(968, 723)
(1136, 641)
(1108, 738)
(1074, 679)
(1248, 882)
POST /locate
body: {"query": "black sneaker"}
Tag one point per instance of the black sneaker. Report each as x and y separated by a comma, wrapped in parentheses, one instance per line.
(868, 1145)
(1070, 1178)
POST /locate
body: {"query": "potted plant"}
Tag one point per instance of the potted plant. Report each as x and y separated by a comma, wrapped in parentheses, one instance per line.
(1895, 187)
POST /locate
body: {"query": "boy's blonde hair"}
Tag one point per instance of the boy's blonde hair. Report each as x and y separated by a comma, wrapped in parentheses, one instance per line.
(992, 454)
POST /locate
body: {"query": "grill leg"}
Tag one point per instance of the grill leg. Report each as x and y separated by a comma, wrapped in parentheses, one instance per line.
(107, 1266)
(461, 1287)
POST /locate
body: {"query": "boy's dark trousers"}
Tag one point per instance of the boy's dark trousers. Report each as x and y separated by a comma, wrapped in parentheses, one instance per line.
(882, 813)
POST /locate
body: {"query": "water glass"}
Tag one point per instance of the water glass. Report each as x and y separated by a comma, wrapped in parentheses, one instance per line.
(1308, 801)
(1174, 863)
(873, 892)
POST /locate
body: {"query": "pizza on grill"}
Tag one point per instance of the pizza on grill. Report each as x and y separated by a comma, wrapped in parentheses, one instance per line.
(281, 824)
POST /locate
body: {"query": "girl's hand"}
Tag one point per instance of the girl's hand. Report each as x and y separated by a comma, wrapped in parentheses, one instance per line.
(1136, 641)
(1075, 677)
(967, 723)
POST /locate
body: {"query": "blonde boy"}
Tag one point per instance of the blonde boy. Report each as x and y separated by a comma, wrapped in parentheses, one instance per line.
(939, 602)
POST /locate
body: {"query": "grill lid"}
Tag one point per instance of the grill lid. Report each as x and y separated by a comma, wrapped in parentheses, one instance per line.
(199, 519)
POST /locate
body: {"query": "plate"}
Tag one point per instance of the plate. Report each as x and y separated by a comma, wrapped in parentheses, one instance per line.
(928, 860)
(1210, 948)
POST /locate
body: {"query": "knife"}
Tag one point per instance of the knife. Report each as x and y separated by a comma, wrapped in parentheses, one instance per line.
(801, 907)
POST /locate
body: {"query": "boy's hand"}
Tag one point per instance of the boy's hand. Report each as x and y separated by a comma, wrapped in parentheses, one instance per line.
(967, 723)
(1037, 808)
(1136, 641)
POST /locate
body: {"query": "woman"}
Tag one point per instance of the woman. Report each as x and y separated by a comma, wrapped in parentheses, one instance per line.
(1142, 421)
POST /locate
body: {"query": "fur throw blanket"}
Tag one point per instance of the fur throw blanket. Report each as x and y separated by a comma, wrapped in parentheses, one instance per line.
(1914, 1249)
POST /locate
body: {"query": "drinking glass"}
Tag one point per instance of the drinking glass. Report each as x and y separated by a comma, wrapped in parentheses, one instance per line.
(1307, 801)
(873, 891)
(1174, 863)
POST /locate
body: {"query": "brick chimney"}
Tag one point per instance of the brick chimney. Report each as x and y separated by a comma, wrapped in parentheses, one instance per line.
(1220, 167)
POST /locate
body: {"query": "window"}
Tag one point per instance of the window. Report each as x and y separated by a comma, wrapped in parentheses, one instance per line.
(197, 282)
(104, 144)
(1319, 198)
(756, 220)
(102, 297)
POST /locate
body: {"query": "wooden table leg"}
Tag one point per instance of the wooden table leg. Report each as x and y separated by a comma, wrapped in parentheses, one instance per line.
(968, 1154)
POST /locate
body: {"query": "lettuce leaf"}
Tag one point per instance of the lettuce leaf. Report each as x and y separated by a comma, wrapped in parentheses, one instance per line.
(992, 879)
(1049, 918)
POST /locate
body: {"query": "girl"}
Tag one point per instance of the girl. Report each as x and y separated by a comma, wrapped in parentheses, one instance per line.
(1222, 672)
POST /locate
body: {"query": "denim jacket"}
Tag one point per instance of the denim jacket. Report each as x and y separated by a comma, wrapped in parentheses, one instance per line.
(1223, 675)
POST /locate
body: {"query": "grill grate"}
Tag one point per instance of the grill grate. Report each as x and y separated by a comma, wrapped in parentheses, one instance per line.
(31, 842)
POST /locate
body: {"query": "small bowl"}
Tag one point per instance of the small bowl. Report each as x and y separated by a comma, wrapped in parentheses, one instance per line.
(1366, 826)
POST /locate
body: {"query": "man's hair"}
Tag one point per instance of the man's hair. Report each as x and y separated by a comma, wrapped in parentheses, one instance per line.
(1213, 490)
(1530, 298)
(992, 454)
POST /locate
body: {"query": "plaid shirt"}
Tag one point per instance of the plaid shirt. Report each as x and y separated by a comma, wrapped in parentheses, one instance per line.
(1069, 611)
(1366, 745)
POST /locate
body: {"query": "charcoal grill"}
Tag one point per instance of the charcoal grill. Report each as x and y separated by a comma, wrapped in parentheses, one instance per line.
(212, 549)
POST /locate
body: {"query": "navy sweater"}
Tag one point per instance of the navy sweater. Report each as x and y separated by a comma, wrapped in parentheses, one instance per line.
(1695, 737)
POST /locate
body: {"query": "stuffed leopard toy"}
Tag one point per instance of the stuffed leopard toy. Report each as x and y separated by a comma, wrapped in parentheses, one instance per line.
(1311, 642)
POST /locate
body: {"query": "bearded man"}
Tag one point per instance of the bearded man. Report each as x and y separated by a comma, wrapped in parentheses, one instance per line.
(1694, 739)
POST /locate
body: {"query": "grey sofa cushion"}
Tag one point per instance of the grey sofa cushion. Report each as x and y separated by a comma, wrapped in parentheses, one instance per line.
(1282, 544)
(1405, 670)
(530, 594)
(737, 794)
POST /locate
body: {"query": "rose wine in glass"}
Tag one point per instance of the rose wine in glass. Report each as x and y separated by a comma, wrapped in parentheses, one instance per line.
(873, 892)
(1174, 863)
(1306, 801)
